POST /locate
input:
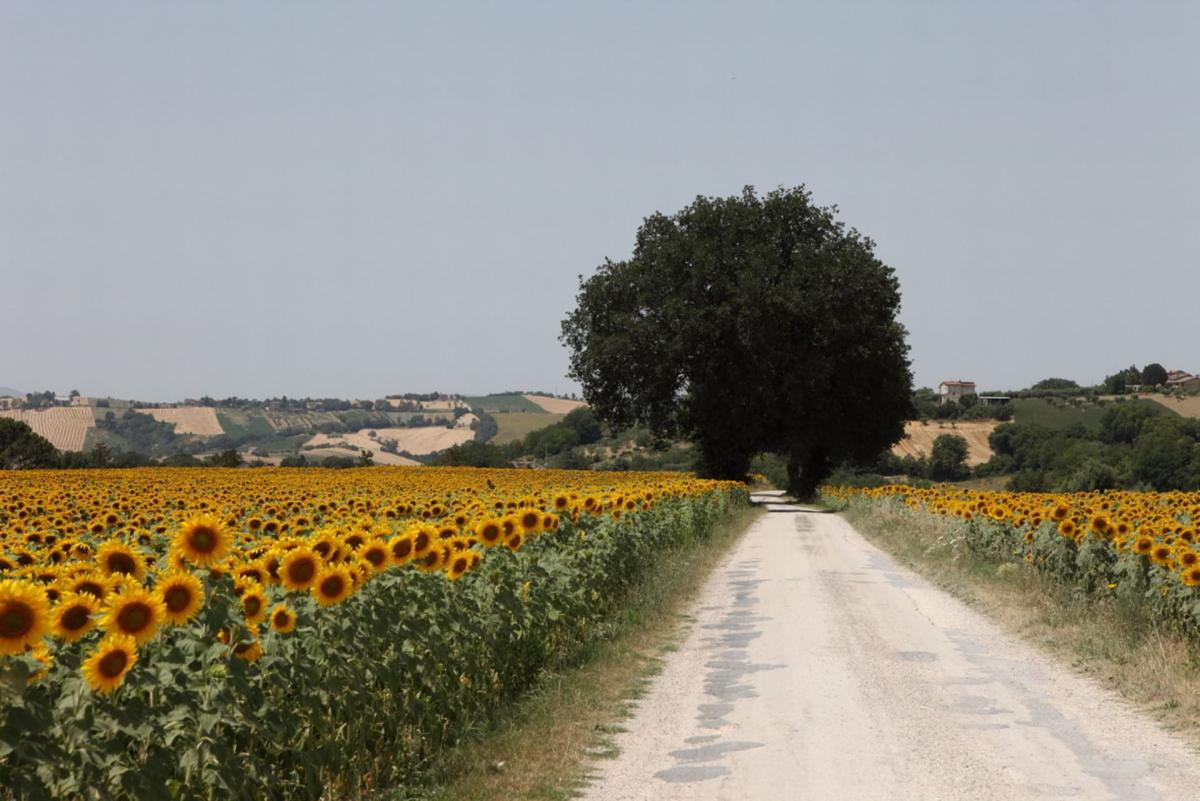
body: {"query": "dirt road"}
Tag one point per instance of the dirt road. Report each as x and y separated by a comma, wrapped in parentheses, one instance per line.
(818, 669)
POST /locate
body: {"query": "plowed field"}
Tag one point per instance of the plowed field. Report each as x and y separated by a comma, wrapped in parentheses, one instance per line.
(65, 427)
(200, 420)
(919, 437)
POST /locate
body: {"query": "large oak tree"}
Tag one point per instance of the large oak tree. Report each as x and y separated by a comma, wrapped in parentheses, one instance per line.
(748, 324)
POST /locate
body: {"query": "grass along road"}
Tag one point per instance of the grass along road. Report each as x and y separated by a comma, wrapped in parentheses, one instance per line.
(546, 745)
(819, 668)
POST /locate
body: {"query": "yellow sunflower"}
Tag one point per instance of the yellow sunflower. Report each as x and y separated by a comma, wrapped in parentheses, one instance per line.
(530, 520)
(423, 537)
(137, 613)
(254, 605)
(298, 569)
(375, 554)
(203, 540)
(333, 585)
(182, 595)
(24, 615)
(74, 616)
(108, 665)
(250, 651)
(283, 619)
(458, 564)
(489, 532)
(117, 558)
(401, 548)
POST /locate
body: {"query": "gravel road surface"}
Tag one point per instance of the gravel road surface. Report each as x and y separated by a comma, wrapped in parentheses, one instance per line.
(818, 669)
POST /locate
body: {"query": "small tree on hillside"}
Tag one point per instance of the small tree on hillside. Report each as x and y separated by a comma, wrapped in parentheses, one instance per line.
(1154, 375)
(948, 458)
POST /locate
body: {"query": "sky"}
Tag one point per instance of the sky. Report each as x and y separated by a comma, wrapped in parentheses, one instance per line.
(350, 199)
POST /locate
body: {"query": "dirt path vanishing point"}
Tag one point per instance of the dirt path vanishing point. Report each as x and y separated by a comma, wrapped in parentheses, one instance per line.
(819, 670)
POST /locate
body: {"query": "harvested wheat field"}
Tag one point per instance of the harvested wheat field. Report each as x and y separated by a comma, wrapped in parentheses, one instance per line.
(417, 441)
(919, 437)
(200, 420)
(554, 405)
(1184, 407)
(65, 427)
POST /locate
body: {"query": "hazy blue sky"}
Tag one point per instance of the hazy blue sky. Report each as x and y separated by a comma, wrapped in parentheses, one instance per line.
(351, 199)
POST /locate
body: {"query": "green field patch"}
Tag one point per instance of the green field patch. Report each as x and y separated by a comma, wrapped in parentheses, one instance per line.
(494, 404)
(513, 426)
(1057, 413)
(239, 423)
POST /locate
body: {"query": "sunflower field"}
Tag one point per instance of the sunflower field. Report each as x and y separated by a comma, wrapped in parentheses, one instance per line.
(204, 633)
(1138, 548)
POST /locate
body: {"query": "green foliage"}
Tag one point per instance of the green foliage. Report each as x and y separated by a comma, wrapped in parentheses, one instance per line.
(226, 458)
(1055, 383)
(1119, 382)
(1124, 422)
(550, 440)
(748, 324)
(1134, 446)
(1166, 455)
(358, 699)
(1154, 375)
(142, 432)
(948, 458)
(485, 427)
(584, 423)
(1063, 412)
(475, 454)
(22, 449)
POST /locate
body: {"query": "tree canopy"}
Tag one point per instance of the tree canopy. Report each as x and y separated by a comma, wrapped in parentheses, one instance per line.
(748, 324)
(1154, 374)
(22, 449)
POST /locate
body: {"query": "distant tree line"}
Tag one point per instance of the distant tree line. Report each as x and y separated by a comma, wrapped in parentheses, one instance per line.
(21, 448)
(929, 406)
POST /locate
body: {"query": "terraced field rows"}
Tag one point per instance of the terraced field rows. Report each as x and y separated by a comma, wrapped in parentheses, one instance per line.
(65, 427)
(200, 420)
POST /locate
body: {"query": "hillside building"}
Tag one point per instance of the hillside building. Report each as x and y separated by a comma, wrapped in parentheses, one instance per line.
(994, 400)
(955, 390)
(1178, 379)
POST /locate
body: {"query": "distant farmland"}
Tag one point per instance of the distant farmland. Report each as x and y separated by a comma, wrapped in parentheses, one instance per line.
(1062, 413)
(66, 427)
(919, 437)
(513, 426)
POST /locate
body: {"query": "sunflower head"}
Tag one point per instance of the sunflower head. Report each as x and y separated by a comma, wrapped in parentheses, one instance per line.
(181, 594)
(203, 540)
(74, 616)
(254, 605)
(298, 569)
(401, 548)
(332, 586)
(283, 619)
(489, 532)
(137, 613)
(458, 564)
(115, 558)
(108, 665)
(375, 554)
(24, 615)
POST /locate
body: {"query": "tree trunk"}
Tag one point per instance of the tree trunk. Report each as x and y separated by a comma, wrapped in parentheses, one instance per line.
(805, 472)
